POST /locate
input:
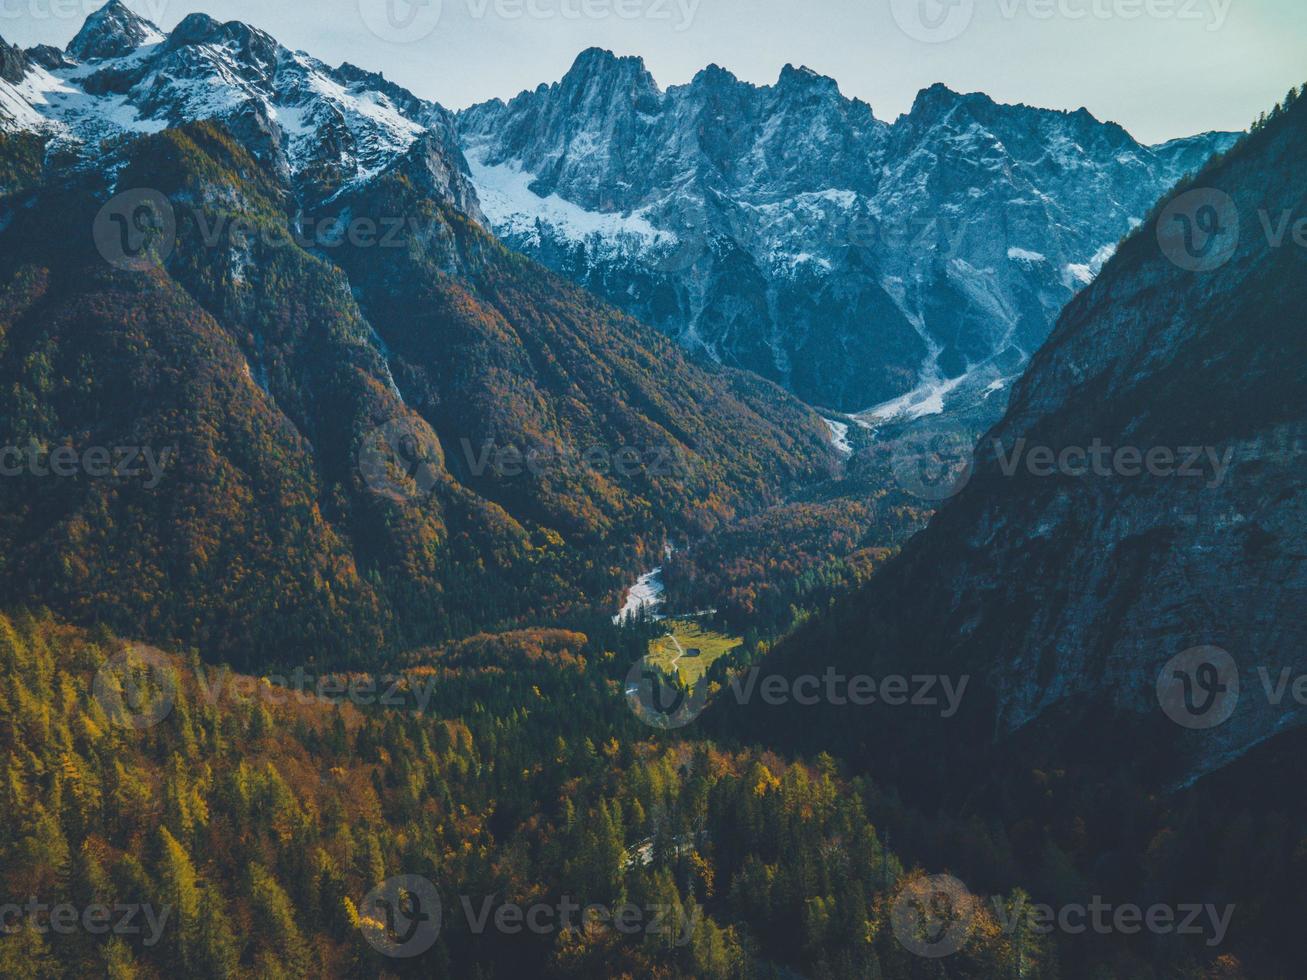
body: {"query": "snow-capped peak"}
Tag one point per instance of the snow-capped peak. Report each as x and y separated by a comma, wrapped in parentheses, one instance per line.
(113, 31)
(327, 129)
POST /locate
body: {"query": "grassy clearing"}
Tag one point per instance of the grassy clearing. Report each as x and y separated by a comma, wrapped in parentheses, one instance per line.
(691, 635)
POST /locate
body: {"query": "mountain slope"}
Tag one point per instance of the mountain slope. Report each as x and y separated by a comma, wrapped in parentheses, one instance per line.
(1065, 596)
(374, 425)
(787, 230)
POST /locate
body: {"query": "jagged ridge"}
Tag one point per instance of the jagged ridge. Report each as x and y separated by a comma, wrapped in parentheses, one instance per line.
(785, 229)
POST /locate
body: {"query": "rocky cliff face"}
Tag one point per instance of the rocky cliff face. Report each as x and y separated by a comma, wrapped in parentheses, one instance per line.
(13, 63)
(787, 230)
(1067, 594)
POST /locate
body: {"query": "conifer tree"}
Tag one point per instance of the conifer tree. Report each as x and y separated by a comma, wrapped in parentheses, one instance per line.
(179, 888)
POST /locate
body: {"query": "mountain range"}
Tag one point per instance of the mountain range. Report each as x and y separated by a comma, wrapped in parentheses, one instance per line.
(864, 265)
(340, 369)
(785, 229)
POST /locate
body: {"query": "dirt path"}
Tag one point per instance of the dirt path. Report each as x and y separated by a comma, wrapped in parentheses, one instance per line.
(680, 650)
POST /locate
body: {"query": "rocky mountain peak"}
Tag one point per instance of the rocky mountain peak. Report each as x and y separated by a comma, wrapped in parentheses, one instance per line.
(13, 63)
(805, 79)
(112, 31)
(934, 103)
(714, 76)
(202, 29)
(1189, 153)
(248, 46)
(1111, 133)
(194, 29)
(608, 85)
(599, 67)
(48, 57)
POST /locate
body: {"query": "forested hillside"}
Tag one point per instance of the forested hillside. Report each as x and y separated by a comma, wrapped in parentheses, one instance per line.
(255, 820)
(479, 443)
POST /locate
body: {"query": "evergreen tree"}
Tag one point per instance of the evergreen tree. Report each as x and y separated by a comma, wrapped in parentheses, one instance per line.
(180, 891)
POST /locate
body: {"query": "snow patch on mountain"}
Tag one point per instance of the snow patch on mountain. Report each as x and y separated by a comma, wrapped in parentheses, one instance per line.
(511, 206)
(1082, 274)
(55, 103)
(839, 437)
(928, 398)
(16, 109)
(1022, 255)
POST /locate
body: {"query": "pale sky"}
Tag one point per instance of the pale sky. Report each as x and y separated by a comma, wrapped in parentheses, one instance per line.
(1161, 68)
